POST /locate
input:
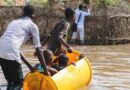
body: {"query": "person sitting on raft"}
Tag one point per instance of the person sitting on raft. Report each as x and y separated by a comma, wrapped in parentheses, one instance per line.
(81, 56)
(48, 59)
(58, 35)
(62, 62)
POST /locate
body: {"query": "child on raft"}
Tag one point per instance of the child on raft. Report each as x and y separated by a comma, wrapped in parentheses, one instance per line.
(62, 62)
(81, 56)
(53, 67)
(48, 59)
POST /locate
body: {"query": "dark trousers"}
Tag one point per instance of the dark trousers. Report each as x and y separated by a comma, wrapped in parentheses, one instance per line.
(13, 73)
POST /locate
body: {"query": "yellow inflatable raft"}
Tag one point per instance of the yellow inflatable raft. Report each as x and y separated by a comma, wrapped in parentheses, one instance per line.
(71, 78)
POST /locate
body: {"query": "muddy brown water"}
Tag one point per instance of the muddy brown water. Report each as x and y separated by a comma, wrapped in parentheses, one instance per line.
(110, 65)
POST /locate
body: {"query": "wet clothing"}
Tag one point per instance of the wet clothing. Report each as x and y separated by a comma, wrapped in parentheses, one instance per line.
(13, 73)
(59, 30)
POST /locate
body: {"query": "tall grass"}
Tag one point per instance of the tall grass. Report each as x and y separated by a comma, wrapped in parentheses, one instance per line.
(38, 2)
(32, 2)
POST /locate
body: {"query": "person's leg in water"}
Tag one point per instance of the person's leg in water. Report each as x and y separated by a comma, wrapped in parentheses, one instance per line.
(74, 37)
(81, 32)
(13, 74)
(6, 72)
(17, 76)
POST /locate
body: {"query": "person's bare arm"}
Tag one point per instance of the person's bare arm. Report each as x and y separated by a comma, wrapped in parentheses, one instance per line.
(42, 60)
(87, 10)
(37, 44)
(26, 62)
(81, 56)
(66, 26)
(52, 71)
(63, 42)
(43, 43)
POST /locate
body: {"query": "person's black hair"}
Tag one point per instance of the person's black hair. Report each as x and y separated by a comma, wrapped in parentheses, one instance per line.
(48, 56)
(80, 7)
(69, 12)
(28, 11)
(63, 60)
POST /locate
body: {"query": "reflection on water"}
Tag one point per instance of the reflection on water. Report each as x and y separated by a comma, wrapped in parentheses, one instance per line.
(110, 64)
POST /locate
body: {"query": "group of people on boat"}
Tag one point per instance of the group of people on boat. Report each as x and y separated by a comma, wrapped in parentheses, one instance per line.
(18, 32)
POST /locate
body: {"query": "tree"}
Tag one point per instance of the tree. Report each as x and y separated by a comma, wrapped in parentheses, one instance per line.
(86, 1)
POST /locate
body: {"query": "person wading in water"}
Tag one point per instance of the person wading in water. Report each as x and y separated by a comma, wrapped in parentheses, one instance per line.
(15, 35)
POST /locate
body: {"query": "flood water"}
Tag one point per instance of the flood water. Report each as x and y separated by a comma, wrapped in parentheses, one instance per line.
(110, 65)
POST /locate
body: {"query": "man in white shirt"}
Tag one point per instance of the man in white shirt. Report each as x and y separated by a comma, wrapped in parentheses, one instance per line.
(80, 17)
(15, 35)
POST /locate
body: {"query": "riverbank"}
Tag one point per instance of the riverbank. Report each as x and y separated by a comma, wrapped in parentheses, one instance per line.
(103, 42)
(99, 29)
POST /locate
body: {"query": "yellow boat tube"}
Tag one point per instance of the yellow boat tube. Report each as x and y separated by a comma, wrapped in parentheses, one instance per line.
(71, 78)
(38, 81)
(74, 77)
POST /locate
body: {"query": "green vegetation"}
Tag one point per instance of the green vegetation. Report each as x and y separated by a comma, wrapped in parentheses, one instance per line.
(32, 2)
(104, 3)
(9, 2)
(38, 2)
(110, 2)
